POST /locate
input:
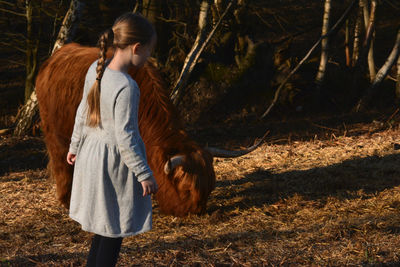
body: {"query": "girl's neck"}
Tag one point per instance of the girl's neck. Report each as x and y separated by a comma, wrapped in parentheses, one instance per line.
(120, 61)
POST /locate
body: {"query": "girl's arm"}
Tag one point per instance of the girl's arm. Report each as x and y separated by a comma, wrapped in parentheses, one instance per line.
(79, 122)
(129, 141)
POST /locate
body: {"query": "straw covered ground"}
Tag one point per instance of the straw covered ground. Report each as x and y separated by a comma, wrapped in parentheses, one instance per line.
(332, 202)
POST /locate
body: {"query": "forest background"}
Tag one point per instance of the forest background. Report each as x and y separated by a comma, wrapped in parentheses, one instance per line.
(239, 73)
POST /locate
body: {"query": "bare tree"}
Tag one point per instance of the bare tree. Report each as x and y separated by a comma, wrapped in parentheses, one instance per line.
(371, 61)
(198, 47)
(382, 73)
(31, 51)
(359, 67)
(69, 25)
(357, 34)
(324, 45)
(151, 9)
(346, 44)
(245, 45)
(332, 30)
(190, 58)
(398, 78)
(28, 114)
(27, 44)
(138, 6)
(370, 29)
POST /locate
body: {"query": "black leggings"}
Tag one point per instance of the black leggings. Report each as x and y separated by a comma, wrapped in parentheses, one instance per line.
(104, 251)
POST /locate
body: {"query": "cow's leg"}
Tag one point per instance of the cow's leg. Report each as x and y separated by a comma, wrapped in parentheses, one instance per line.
(60, 171)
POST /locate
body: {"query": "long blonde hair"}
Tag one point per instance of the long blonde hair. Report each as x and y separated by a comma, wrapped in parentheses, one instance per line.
(128, 29)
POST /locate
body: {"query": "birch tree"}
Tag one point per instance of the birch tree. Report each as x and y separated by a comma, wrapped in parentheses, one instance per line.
(359, 67)
(138, 6)
(398, 78)
(380, 76)
(357, 34)
(319, 80)
(332, 30)
(190, 58)
(371, 61)
(197, 48)
(346, 44)
(28, 114)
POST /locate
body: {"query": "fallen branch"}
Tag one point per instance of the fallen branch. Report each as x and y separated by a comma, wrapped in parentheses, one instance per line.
(391, 116)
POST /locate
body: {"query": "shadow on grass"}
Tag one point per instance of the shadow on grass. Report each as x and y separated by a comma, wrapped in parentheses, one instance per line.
(344, 180)
(243, 131)
(51, 259)
(218, 250)
(18, 154)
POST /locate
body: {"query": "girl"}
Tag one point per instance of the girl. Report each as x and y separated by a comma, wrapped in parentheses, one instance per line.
(112, 181)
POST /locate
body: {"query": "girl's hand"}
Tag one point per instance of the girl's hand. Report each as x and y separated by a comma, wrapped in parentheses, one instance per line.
(149, 186)
(71, 158)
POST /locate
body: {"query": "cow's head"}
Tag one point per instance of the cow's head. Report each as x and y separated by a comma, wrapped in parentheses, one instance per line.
(193, 176)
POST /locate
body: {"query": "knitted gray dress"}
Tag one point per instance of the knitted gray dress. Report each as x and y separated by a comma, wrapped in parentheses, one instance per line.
(107, 197)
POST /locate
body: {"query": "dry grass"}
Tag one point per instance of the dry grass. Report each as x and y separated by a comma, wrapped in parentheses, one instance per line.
(305, 203)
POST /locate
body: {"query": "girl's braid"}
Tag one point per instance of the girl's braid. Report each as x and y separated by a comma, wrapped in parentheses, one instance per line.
(104, 42)
(93, 116)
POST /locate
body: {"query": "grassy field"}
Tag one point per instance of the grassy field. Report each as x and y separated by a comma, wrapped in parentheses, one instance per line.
(317, 193)
(331, 202)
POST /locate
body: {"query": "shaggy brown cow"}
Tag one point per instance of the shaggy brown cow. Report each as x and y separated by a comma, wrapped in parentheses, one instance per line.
(59, 87)
(183, 169)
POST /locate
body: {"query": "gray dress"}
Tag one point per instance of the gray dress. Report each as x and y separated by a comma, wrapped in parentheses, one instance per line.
(107, 197)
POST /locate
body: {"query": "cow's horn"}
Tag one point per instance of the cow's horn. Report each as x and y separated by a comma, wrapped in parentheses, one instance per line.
(173, 162)
(222, 153)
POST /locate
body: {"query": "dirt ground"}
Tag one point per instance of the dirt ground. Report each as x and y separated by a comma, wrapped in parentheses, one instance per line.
(327, 199)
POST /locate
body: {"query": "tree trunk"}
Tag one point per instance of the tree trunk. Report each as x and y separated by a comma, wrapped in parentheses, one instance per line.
(371, 61)
(319, 80)
(31, 51)
(382, 73)
(28, 115)
(371, 27)
(241, 42)
(357, 34)
(190, 58)
(359, 68)
(332, 30)
(398, 79)
(245, 48)
(138, 6)
(216, 11)
(151, 10)
(69, 25)
(195, 52)
(346, 44)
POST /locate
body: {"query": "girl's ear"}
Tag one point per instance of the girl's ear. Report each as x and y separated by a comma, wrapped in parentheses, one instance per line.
(135, 48)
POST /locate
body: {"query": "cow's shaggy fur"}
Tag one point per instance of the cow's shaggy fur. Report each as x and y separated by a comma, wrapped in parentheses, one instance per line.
(59, 87)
